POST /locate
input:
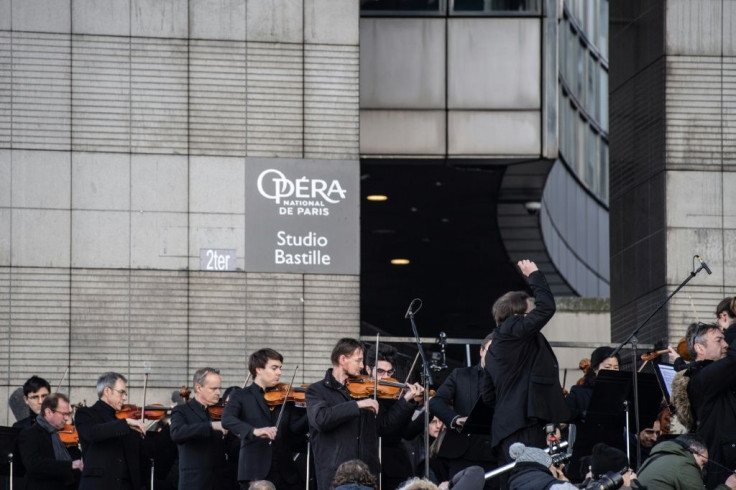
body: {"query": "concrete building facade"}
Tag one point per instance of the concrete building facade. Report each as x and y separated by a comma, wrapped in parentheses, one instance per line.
(126, 131)
(671, 162)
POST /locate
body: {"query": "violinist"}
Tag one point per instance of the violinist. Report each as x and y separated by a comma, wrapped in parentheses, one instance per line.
(342, 428)
(199, 439)
(396, 465)
(453, 402)
(35, 390)
(726, 317)
(264, 449)
(45, 457)
(111, 447)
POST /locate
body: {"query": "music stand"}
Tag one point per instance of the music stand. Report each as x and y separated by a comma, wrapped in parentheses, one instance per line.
(665, 374)
(8, 446)
(479, 420)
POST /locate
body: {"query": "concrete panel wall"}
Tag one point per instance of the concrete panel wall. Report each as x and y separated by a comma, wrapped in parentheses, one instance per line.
(671, 160)
(124, 132)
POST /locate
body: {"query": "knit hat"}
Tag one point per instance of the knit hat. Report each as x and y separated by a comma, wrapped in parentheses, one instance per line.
(599, 355)
(606, 458)
(523, 454)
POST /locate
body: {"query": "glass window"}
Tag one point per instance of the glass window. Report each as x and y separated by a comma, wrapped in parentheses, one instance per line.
(603, 100)
(497, 6)
(603, 29)
(411, 6)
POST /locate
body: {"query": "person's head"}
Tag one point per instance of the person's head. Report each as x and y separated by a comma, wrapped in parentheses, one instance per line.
(265, 367)
(35, 389)
(725, 315)
(348, 356)
(605, 458)
(112, 388)
(705, 342)
(56, 410)
(435, 427)
(354, 471)
(207, 385)
(484, 348)
(648, 437)
(261, 485)
(528, 454)
(511, 303)
(601, 358)
(696, 445)
(386, 361)
(418, 484)
(229, 391)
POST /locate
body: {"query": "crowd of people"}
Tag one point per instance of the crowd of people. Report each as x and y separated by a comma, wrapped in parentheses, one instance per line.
(329, 439)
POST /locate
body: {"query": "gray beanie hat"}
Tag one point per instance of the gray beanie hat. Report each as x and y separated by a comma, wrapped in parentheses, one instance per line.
(523, 454)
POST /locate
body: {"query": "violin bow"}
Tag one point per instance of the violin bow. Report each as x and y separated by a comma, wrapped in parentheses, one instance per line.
(247, 378)
(375, 371)
(408, 374)
(63, 377)
(288, 390)
(145, 387)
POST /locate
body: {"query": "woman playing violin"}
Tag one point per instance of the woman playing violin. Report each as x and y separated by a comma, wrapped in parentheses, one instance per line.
(264, 447)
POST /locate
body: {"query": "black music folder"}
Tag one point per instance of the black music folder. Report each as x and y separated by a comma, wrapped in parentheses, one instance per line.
(479, 420)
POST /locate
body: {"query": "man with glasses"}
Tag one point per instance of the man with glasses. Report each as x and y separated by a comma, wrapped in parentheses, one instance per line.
(453, 402)
(396, 465)
(45, 457)
(111, 448)
(35, 390)
(199, 439)
(710, 392)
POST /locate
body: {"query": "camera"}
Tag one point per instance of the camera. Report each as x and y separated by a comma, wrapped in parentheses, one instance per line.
(609, 481)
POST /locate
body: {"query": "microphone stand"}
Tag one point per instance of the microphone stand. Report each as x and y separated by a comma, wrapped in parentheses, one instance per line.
(426, 378)
(634, 341)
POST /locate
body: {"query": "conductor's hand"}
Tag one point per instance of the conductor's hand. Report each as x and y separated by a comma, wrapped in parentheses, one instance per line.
(527, 267)
(368, 404)
(265, 433)
(413, 391)
(137, 425)
(731, 481)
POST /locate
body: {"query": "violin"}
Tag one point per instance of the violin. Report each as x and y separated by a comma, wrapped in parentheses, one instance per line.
(152, 412)
(388, 388)
(584, 366)
(650, 356)
(277, 395)
(683, 350)
(215, 411)
(69, 435)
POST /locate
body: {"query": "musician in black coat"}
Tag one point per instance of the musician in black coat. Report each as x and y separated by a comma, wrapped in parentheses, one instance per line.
(342, 428)
(523, 367)
(35, 390)
(199, 439)
(47, 461)
(111, 448)
(265, 450)
(452, 404)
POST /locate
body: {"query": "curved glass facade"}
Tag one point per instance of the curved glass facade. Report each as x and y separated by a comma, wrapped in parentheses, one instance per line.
(583, 76)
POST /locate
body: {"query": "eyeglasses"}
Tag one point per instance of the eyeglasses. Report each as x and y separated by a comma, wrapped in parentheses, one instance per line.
(64, 414)
(121, 392)
(38, 397)
(381, 372)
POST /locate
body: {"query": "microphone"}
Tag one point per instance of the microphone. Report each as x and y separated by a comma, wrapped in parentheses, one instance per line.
(410, 311)
(443, 344)
(704, 265)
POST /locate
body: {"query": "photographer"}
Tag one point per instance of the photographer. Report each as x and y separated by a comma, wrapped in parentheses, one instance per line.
(679, 464)
(609, 468)
(534, 470)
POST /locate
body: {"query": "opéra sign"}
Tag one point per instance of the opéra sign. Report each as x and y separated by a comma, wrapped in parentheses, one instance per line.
(302, 215)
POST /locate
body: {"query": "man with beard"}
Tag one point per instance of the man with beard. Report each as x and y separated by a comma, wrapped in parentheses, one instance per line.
(342, 428)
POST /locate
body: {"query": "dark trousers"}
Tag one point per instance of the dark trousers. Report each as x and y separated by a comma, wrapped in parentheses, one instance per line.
(532, 436)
